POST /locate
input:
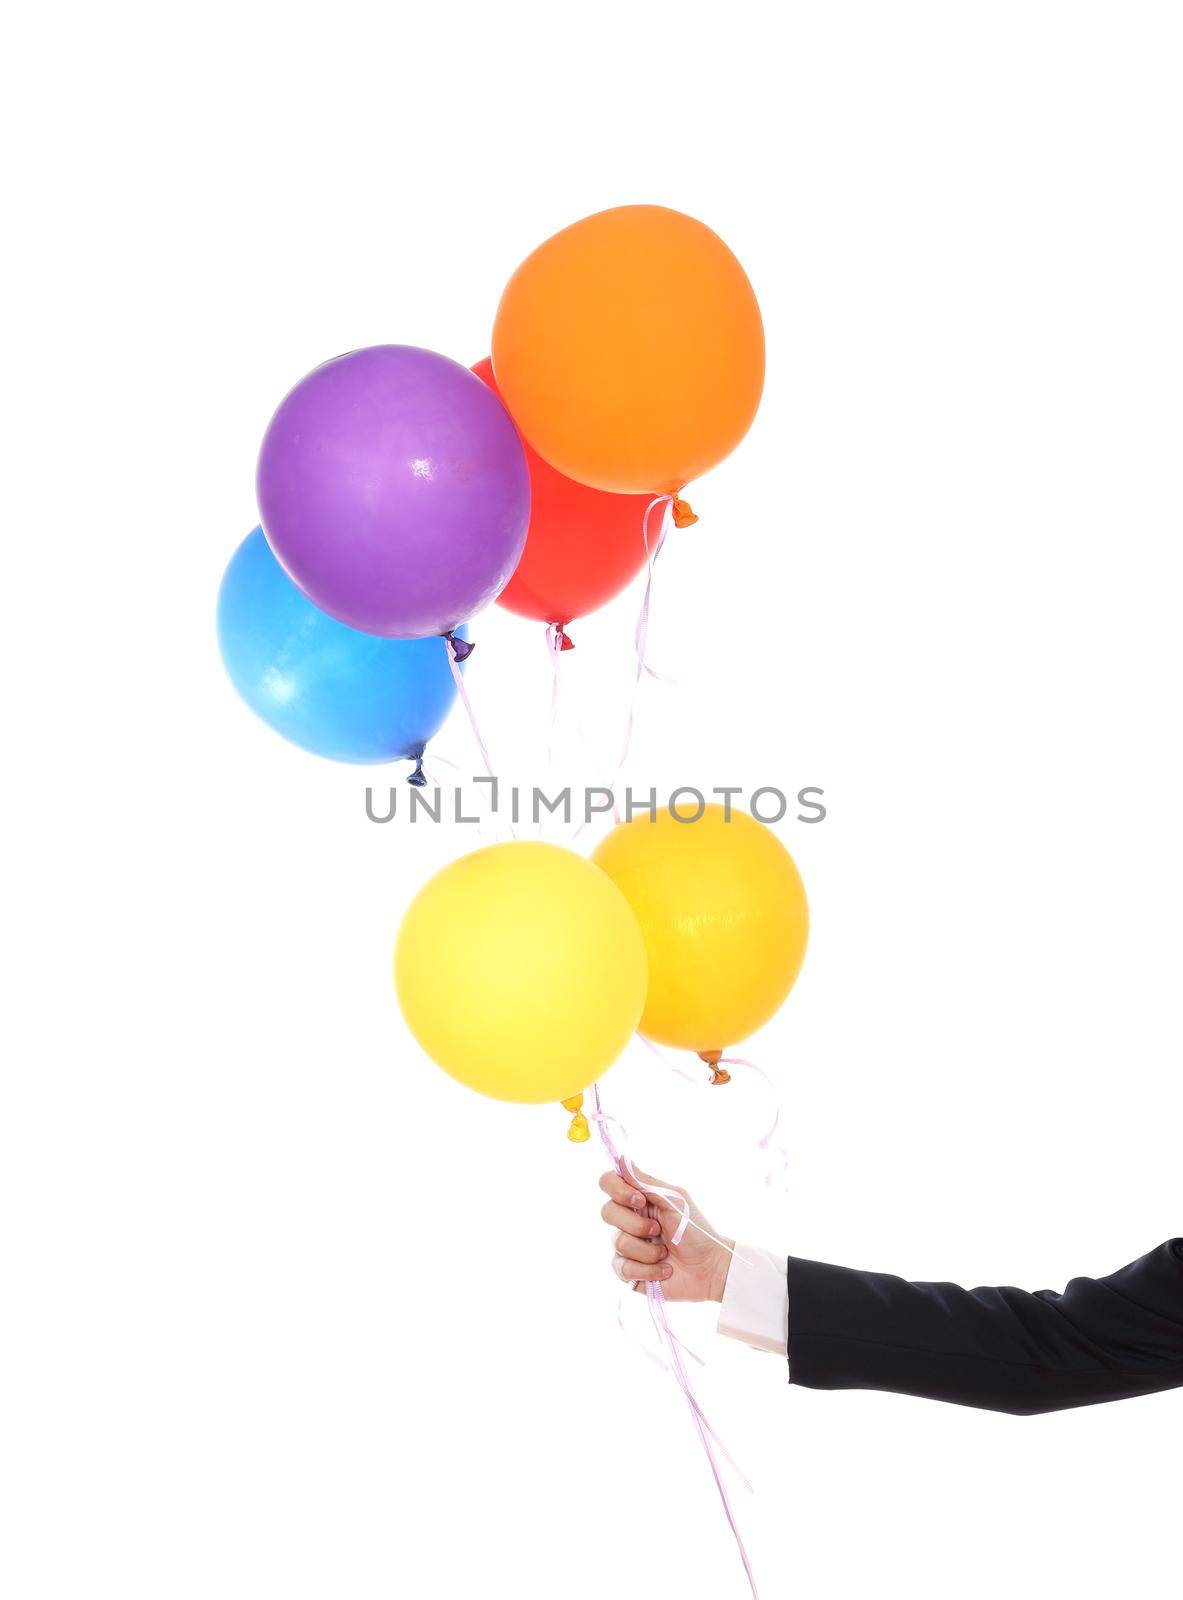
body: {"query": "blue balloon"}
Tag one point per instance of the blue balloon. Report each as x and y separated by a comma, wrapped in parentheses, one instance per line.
(328, 688)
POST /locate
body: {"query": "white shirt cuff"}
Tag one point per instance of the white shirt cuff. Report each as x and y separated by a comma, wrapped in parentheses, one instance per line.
(756, 1300)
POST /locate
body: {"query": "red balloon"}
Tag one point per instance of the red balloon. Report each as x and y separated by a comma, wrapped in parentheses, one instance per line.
(583, 545)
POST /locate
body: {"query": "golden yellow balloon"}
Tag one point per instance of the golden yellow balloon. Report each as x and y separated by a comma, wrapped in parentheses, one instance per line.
(521, 971)
(724, 917)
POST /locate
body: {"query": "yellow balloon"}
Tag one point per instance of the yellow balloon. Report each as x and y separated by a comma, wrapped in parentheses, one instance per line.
(521, 971)
(723, 912)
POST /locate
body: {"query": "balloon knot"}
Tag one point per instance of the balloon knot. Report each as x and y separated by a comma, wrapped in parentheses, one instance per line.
(416, 778)
(578, 1132)
(461, 648)
(683, 516)
(566, 642)
(712, 1058)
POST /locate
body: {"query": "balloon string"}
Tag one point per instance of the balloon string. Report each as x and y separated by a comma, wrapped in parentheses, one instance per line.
(458, 680)
(554, 649)
(648, 1354)
(641, 631)
(674, 1198)
(434, 781)
(664, 1366)
(765, 1142)
(640, 640)
(657, 1310)
(428, 763)
(775, 1179)
(671, 1066)
(604, 1123)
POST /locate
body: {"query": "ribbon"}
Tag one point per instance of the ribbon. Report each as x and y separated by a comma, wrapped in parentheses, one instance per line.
(428, 771)
(657, 1306)
(459, 650)
(641, 631)
(645, 1350)
(664, 1366)
(775, 1179)
(671, 1066)
(666, 1336)
(454, 660)
(556, 642)
(674, 1198)
(668, 503)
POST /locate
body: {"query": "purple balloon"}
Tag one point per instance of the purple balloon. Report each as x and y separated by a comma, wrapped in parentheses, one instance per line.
(394, 491)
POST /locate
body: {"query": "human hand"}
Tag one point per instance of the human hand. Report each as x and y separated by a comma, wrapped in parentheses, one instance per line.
(694, 1269)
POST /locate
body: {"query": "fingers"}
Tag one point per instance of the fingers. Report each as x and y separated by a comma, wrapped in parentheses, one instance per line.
(638, 1223)
(636, 1272)
(626, 1193)
(672, 1203)
(647, 1250)
(623, 1192)
(645, 1181)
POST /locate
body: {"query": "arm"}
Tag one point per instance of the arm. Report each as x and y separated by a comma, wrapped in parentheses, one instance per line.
(998, 1349)
(1002, 1349)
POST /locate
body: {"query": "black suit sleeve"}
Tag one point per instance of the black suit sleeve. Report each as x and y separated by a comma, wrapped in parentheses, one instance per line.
(1002, 1349)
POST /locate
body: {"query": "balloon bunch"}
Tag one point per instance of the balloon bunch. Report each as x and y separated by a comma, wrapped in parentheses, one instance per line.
(691, 934)
(401, 493)
(395, 499)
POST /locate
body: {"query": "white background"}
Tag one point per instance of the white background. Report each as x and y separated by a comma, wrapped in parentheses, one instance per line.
(286, 1312)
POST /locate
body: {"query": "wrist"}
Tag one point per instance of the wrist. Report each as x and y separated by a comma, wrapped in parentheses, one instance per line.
(722, 1267)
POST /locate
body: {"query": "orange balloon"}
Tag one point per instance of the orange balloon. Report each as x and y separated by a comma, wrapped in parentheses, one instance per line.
(629, 350)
